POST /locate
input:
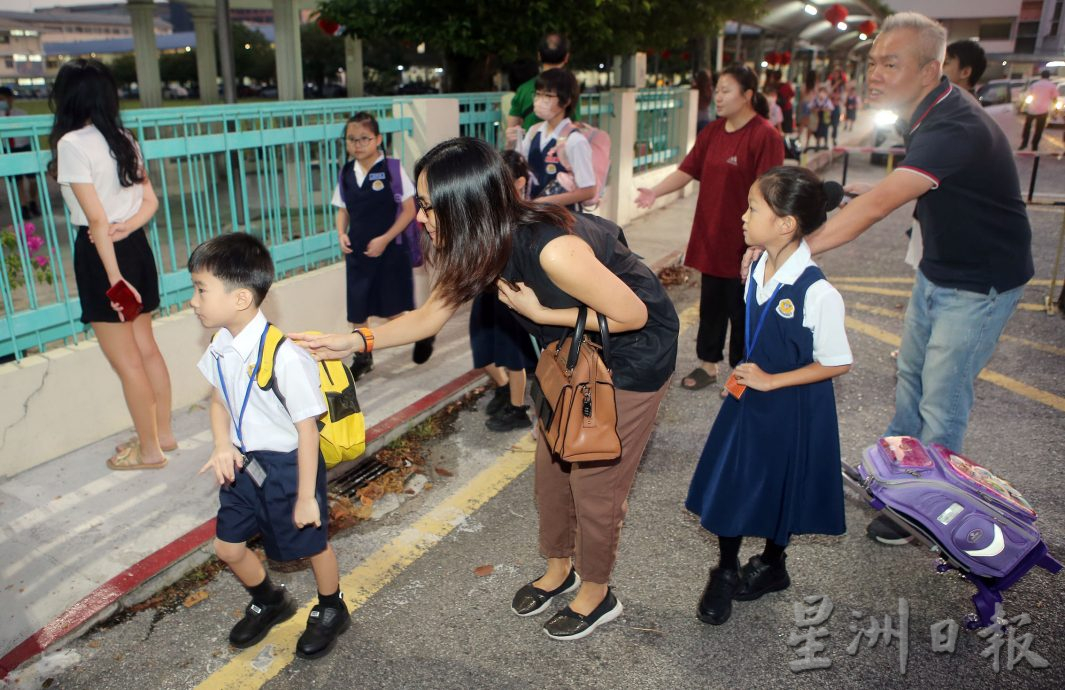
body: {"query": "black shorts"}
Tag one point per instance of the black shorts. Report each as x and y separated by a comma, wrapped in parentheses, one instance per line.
(135, 261)
(246, 510)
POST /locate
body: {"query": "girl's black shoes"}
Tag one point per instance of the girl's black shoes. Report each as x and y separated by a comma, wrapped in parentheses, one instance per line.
(760, 577)
(715, 606)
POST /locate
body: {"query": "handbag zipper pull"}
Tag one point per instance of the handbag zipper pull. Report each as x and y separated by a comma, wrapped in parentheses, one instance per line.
(587, 402)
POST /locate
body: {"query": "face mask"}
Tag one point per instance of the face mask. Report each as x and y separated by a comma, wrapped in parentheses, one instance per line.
(545, 109)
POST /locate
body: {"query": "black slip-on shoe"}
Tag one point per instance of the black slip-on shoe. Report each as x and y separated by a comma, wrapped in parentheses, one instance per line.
(530, 600)
(361, 364)
(509, 418)
(259, 618)
(567, 624)
(423, 350)
(884, 530)
(759, 577)
(324, 626)
(500, 399)
(715, 606)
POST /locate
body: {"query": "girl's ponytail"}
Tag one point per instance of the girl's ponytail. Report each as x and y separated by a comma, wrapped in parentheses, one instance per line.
(760, 104)
(797, 192)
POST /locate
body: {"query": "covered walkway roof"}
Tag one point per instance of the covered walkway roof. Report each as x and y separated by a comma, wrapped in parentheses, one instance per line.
(803, 21)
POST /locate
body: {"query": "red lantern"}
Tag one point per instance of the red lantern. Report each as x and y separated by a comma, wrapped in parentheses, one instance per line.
(785, 58)
(686, 56)
(836, 14)
(328, 26)
(867, 27)
(772, 58)
(666, 54)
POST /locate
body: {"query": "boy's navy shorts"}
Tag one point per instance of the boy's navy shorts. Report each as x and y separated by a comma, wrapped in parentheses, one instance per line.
(246, 510)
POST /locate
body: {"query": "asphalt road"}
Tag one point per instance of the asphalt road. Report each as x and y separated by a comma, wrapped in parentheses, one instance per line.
(426, 620)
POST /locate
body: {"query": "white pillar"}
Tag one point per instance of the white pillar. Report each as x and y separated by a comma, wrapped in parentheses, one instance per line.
(145, 52)
(353, 65)
(435, 120)
(287, 50)
(619, 199)
(719, 57)
(204, 21)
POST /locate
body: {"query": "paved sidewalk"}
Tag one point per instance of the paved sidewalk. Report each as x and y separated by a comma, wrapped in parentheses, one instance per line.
(71, 526)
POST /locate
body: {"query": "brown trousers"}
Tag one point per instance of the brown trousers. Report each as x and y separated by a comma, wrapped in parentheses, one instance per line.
(582, 505)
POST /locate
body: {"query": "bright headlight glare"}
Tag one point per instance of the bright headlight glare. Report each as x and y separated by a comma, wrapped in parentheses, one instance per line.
(885, 118)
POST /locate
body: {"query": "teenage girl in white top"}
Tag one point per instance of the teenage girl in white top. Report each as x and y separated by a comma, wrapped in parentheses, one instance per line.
(106, 189)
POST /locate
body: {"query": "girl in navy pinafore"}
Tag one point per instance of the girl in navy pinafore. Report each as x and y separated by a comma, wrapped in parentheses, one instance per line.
(370, 221)
(770, 467)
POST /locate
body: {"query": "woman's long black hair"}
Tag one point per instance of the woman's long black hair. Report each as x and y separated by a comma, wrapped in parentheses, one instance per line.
(85, 93)
(477, 211)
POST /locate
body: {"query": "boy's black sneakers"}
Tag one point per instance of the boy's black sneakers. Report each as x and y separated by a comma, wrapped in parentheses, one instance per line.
(324, 626)
(509, 418)
(259, 618)
(500, 399)
(361, 363)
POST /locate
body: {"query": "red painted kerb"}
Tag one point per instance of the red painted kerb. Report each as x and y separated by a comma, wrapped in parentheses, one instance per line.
(142, 571)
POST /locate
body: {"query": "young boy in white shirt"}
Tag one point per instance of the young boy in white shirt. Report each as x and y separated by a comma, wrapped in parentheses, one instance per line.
(266, 447)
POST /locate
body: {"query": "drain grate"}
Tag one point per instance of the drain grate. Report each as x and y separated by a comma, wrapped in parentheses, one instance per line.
(360, 474)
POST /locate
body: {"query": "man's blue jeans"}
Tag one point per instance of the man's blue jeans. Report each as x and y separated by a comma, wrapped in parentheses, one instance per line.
(948, 337)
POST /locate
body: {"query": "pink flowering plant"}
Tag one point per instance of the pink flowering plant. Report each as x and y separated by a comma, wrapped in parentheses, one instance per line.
(40, 263)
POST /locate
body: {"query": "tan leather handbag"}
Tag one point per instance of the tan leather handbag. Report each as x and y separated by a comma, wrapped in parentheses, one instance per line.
(573, 395)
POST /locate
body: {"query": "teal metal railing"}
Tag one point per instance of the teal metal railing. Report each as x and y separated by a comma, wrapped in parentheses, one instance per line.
(596, 109)
(268, 169)
(656, 128)
(481, 116)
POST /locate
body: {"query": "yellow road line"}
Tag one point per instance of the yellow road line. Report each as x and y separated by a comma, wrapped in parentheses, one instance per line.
(1024, 306)
(255, 666)
(903, 280)
(896, 314)
(1012, 385)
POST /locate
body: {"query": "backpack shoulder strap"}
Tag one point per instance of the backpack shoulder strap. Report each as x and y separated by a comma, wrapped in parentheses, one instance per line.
(395, 178)
(268, 356)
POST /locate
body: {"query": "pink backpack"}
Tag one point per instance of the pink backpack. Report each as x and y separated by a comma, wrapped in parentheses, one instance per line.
(600, 143)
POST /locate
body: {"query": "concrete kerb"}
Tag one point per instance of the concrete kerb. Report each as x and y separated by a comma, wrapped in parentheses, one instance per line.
(176, 559)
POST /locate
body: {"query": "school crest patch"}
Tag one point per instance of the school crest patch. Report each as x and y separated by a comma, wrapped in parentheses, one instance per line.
(377, 185)
(786, 308)
(551, 169)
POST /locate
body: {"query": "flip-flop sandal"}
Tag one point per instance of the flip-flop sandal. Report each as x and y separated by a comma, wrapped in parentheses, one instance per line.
(701, 377)
(129, 458)
(133, 439)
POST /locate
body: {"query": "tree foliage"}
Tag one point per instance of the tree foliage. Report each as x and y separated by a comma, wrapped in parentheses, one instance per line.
(477, 36)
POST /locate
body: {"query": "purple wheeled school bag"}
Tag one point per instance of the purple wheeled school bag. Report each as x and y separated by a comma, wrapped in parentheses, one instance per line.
(978, 522)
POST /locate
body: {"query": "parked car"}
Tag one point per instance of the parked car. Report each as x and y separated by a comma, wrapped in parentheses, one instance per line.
(269, 91)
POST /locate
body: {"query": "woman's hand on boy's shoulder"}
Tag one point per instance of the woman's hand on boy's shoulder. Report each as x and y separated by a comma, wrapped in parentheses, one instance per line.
(328, 346)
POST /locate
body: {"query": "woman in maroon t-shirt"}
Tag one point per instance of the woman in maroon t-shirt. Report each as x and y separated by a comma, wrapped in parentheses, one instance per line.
(729, 154)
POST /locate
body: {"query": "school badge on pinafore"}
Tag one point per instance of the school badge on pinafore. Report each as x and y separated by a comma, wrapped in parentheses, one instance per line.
(786, 308)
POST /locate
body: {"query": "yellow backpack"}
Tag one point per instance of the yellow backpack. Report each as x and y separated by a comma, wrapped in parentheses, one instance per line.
(342, 429)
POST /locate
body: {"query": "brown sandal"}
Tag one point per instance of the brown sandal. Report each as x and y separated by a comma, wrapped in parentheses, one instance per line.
(129, 458)
(133, 439)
